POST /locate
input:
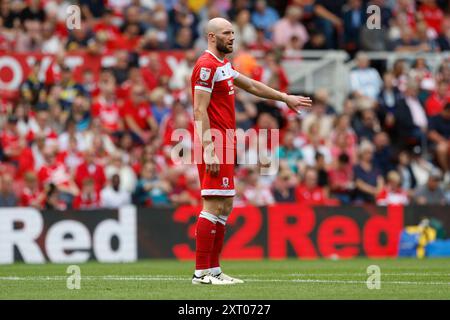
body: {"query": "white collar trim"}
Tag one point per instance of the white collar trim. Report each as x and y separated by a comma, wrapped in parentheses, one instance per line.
(214, 56)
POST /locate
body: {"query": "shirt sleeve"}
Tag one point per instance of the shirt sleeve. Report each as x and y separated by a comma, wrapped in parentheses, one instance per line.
(234, 73)
(203, 77)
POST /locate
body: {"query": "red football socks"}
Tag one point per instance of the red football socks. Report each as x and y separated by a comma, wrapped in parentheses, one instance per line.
(205, 240)
(218, 244)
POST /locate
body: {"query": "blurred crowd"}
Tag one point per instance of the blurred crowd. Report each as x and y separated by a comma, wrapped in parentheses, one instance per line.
(105, 142)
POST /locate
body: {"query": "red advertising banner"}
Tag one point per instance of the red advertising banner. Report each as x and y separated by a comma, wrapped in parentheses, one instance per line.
(276, 232)
(286, 230)
(15, 67)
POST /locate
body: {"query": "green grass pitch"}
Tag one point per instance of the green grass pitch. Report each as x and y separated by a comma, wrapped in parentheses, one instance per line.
(286, 279)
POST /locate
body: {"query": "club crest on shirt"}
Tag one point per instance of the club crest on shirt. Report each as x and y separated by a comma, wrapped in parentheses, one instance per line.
(205, 73)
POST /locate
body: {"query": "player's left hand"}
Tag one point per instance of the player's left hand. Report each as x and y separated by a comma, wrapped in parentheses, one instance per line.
(296, 103)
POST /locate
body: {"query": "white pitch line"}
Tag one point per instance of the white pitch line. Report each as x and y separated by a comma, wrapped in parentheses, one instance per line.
(170, 278)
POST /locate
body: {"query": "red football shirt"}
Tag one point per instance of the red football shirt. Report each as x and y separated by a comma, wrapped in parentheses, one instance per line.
(140, 113)
(108, 112)
(308, 196)
(216, 76)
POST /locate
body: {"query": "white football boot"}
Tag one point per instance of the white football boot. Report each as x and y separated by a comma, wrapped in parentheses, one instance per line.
(210, 279)
(226, 277)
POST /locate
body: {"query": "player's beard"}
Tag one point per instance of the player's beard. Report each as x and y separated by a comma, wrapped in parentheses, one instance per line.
(222, 47)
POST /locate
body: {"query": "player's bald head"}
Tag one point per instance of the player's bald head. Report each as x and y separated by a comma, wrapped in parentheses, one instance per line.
(220, 34)
(216, 25)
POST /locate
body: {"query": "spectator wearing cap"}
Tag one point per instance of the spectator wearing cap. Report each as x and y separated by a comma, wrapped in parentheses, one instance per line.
(368, 179)
(431, 192)
(114, 196)
(439, 135)
(290, 26)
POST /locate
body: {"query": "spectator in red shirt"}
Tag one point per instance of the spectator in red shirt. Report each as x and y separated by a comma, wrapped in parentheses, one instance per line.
(138, 115)
(105, 29)
(341, 179)
(309, 192)
(153, 72)
(12, 143)
(41, 125)
(392, 193)
(89, 169)
(56, 173)
(273, 73)
(106, 107)
(89, 197)
(432, 14)
(261, 45)
(128, 40)
(190, 195)
(437, 101)
(32, 195)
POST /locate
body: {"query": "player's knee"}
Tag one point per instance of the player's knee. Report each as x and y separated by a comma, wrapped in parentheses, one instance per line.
(228, 207)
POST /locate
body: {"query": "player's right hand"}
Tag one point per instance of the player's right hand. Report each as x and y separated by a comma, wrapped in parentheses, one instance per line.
(212, 163)
(297, 103)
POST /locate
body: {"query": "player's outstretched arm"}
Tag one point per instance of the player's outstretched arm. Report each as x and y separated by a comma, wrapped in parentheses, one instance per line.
(259, 89)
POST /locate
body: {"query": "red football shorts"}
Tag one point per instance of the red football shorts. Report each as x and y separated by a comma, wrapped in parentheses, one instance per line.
(219, 185)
